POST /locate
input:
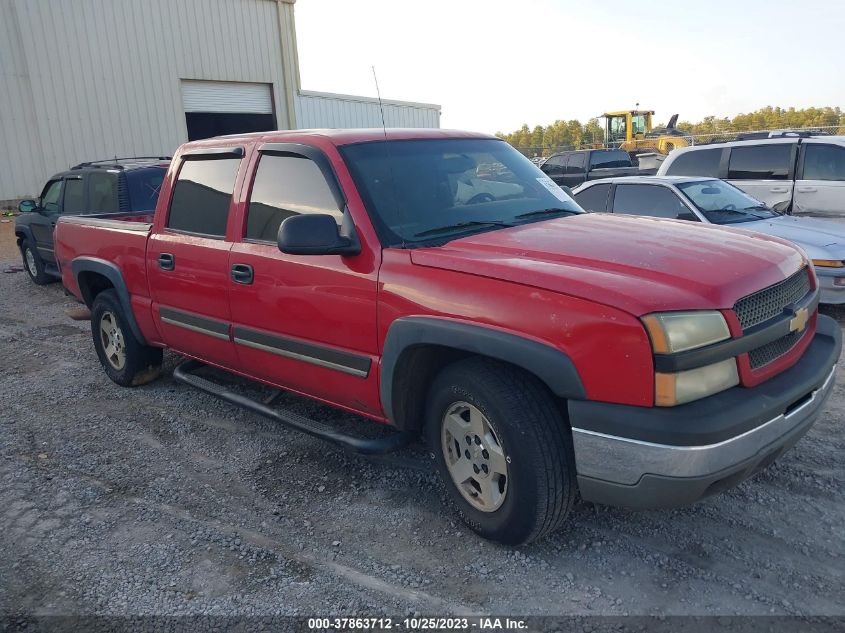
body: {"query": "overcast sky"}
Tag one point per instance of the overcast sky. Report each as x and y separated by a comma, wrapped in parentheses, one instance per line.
(493, 64)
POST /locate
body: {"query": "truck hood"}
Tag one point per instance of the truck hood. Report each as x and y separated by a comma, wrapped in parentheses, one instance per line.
(635, 264)
(821, 239)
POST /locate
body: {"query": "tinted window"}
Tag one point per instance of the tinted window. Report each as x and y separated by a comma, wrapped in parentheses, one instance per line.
(50, 196)
(703, 162)
(144, 187)
(554, 166)
(102, 192)
(577, 164)
(651, 200)
(609, 159)
(286, 186)
(824, 162)
(74, 198)
(593, 198)
(201, 196)
(759, 162)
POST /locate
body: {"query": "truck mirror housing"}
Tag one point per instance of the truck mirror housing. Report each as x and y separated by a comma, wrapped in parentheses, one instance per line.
(315, 234)
(27, 206)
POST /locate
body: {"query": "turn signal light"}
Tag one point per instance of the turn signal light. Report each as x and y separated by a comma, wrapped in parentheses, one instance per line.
(828, 263)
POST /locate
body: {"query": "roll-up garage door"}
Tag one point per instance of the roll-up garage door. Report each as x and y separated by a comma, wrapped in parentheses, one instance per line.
(213, 108)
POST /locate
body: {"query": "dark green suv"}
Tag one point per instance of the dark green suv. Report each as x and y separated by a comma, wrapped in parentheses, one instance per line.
(119, 185)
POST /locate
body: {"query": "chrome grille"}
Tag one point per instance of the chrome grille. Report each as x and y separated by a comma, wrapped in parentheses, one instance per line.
(765, 354)
(770, 302)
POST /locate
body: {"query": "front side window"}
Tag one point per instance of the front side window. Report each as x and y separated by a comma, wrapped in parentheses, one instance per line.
(824, 162)
(593, 198)
(427, 189)
(651, 200)
(286, 185)
(554, 166)
(697, 162)
(722, 203)
(51, 195)
(577, 164)
(202, 195)
(74, 197)
(760, 162)
(102, 192)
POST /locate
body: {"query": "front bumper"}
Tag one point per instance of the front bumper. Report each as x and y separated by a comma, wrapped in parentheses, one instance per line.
(831, 293)
(653, 457)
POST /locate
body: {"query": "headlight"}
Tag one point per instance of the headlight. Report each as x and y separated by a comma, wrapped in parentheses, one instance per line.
(686, 386)
(673, 332)
(828, 263)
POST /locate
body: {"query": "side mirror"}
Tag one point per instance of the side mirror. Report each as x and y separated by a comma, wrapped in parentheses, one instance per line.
(315, 234)
(27, 206)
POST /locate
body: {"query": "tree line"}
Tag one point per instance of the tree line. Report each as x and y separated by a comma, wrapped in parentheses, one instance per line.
(573, 133)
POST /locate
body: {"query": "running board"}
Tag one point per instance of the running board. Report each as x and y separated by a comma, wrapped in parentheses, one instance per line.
(365, 446)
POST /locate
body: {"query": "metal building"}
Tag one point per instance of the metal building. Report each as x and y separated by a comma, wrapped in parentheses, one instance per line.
(91, 79)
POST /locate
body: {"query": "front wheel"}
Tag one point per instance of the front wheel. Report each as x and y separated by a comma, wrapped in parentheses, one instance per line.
(127, 361)
(503, 450)
(33, 264)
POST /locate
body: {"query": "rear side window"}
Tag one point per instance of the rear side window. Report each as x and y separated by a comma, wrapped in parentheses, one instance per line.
(201, 196)
(74, 199)
(610, 159)
(102, 192)
(144, 186)
(285, 186)
(650, 200)
(760, 162)
(824, 162)
(703, 162)
(593, 198)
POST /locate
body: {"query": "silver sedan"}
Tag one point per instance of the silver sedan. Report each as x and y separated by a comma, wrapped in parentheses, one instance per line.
(715, 201)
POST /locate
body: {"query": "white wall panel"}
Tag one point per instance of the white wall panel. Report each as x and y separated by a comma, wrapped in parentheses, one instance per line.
(328, 110)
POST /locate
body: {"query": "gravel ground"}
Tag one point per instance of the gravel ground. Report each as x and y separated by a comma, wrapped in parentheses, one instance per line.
(162, 500)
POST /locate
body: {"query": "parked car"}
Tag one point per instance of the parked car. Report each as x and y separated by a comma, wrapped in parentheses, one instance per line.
(796, 174)
(541, 350)
(713, 201)
(573, 168)
(120, 185)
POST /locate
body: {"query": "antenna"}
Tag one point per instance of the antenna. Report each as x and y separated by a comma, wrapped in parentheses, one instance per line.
(380, 105)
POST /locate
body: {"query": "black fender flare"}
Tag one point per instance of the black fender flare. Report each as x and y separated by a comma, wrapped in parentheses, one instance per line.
(26, 232)
(548, 363)
(113, 274)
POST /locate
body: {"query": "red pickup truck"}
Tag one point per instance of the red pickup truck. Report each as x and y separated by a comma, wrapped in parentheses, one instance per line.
(439, 283)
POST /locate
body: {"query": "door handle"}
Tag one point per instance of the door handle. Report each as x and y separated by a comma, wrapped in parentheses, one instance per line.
(779, 190)
(166, 261)
(807, 189)
(242, 273)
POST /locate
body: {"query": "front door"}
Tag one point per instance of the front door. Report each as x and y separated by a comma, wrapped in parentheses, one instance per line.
(307, 322)
(187, 260)
(820, 187)
(43, 222)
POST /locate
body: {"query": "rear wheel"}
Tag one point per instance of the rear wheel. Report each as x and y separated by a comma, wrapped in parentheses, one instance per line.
(503, 450)
(127, 361)
(33, 264)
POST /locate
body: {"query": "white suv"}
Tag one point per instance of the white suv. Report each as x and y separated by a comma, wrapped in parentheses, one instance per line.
(796, 174)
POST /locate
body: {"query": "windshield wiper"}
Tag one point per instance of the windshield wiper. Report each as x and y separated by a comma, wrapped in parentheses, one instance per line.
(460, 225)
(534, 214)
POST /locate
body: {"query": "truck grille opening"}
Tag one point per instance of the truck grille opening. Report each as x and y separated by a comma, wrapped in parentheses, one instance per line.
(771, 351)
(770, 302)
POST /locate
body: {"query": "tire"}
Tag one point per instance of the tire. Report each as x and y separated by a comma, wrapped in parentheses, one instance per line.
(127, 361)
(524, 432)
(33, 264)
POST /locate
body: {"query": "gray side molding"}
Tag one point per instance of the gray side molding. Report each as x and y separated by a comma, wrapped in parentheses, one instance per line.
(113, 274)
(549, 364)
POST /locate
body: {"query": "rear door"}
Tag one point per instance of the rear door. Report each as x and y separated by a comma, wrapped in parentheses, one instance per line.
(188, 257)
(593, 198)
(304, 321)
(820, 181)
(576, 169)
(765, 171)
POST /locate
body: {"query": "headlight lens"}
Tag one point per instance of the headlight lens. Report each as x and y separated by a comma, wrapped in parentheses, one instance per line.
(672, 332)
(828, 263)
(686, 386)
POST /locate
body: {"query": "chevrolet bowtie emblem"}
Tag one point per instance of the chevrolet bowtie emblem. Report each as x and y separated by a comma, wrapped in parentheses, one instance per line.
(799, 321)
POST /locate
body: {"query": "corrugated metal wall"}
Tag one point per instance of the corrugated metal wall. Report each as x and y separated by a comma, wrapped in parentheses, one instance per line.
(90, 79)
(327, 110)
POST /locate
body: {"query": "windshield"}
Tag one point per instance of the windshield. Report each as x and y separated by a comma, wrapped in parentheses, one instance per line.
(419, 190)
(144, 185)
(607, 159)
(722, 203)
